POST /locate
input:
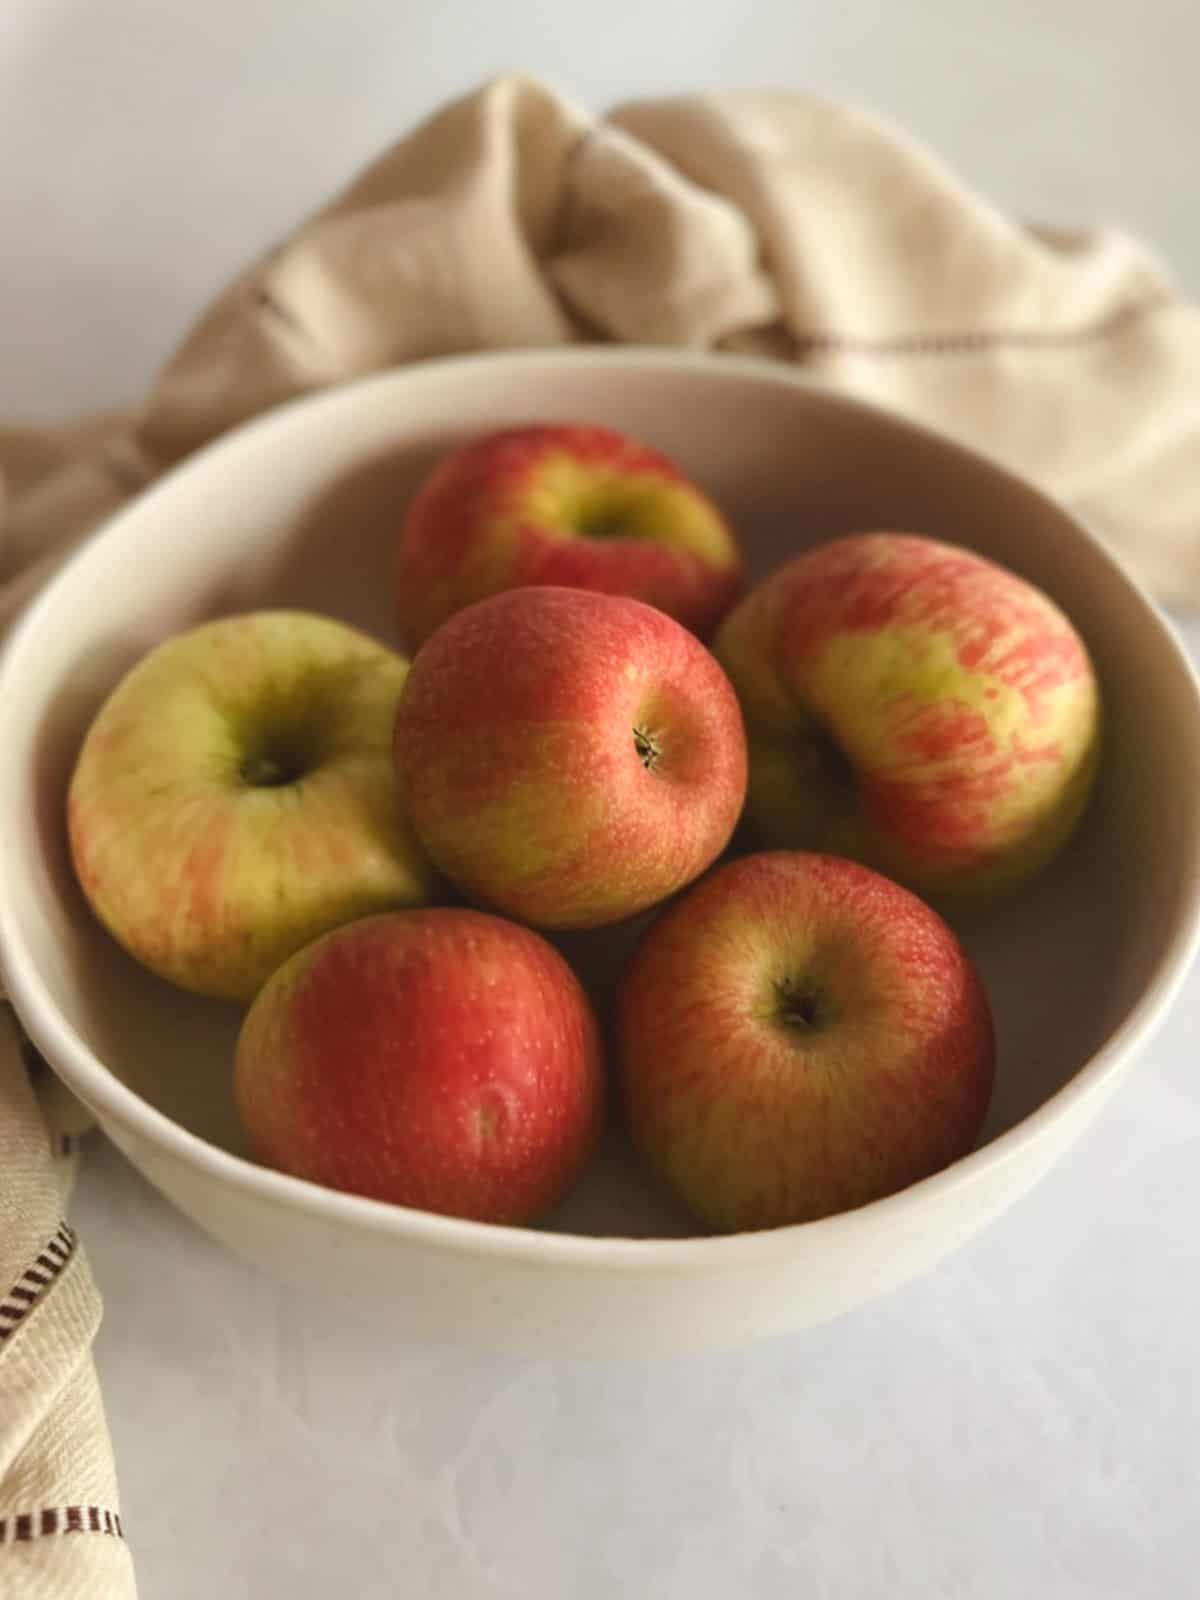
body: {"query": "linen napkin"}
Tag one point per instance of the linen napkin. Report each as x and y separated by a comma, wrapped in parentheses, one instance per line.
(60, 1529)
(774, 224)
(771, 224)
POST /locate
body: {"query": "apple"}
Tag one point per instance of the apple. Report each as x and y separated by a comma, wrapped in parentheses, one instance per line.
(799, 1035)
(566, 504)
(234, 797)
(569, 758)
(441, 1058)
(915, 706)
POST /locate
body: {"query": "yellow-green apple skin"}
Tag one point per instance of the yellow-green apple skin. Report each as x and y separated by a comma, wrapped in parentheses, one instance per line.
(235, 797)
(915, 706)
(569, 758)
(798, 1035)
(438, 1058)
(569, 504)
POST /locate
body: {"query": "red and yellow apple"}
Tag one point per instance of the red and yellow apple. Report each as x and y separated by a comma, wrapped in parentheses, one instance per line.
(915, 706)
(569, 758)
(571, 505)
(443, 1059)
(235, 797)
(799, 1035)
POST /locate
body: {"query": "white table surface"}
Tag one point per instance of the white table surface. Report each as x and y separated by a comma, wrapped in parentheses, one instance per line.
(1023, 1420)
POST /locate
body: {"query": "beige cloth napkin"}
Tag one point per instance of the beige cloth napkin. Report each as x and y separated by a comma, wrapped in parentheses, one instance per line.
(60, 1529)
(767, 223)
(772, 224)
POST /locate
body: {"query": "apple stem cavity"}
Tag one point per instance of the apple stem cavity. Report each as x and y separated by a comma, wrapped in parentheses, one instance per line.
(606, 513)
(648, 748)
(266, 772)
(803, 1006)
(605, 525)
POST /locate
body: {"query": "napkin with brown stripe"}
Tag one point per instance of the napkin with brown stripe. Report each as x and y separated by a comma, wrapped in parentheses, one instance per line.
(60, 1529)
(770, 224)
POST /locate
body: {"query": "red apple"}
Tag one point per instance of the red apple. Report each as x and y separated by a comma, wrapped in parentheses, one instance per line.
(577, 506)
(915, 706)
(797, 1036)
(569, 758)
(235, 797)
(443, 1059)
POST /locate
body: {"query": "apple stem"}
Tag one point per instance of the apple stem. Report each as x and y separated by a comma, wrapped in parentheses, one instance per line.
(648, 749)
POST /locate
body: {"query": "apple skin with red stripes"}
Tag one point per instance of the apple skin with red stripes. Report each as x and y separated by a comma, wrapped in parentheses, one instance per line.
(437, 1058)
(797, 1036)
(568, 504)
(916, 707)
(568, 758)
(234, 797)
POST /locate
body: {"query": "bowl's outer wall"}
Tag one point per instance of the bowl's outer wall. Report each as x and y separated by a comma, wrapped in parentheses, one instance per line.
(301, 509)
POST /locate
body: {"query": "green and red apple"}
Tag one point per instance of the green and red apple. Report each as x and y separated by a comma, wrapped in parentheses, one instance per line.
(915, 706)
(573, 505)
(798, 1035)
(235, 797)
(569, 758)
(443, 1059)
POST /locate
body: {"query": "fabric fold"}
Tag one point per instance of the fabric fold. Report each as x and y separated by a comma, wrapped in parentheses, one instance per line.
(60, 1525)
(773, 224)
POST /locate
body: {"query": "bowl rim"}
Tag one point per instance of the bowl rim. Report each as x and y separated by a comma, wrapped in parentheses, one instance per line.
(115, 1103)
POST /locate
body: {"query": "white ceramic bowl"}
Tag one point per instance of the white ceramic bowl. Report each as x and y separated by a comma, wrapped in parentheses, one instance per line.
(299, 508)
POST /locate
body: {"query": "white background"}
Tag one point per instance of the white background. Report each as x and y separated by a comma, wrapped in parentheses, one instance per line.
(1024, 1419)
(147, 147)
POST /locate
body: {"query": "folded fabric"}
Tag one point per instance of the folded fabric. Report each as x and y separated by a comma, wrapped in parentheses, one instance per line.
(768, 224)
(772, 224)
(60, 1528)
